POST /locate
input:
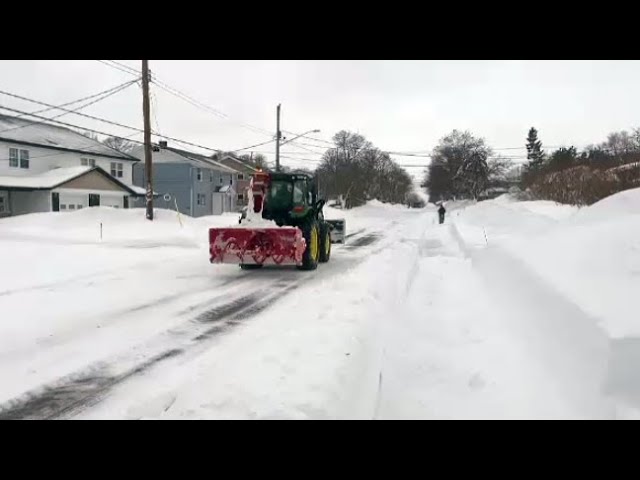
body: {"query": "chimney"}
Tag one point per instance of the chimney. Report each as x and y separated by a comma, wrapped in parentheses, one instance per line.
(163, 143)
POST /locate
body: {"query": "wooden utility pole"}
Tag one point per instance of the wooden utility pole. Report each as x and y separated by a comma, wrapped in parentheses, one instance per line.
(148, 170)
(278, 140)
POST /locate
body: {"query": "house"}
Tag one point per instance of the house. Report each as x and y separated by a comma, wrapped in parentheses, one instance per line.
(62, 189)
(244, 176)
(194, 183)
(47, 168)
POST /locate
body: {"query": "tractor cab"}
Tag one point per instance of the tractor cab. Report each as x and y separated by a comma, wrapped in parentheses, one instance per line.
(290, 198)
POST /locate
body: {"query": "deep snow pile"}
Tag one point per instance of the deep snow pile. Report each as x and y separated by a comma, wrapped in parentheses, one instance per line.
(575, 279)
(42, 248)
(594, 259)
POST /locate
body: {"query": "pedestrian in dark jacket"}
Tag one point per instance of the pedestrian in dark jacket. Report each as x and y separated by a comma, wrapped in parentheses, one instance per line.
(441, 212)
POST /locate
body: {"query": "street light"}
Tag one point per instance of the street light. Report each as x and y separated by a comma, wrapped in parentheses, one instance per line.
(301, 135)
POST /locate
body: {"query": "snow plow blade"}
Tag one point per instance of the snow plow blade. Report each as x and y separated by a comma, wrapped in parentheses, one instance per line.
(257, 246)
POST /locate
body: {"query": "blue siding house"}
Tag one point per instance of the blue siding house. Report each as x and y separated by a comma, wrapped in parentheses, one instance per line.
(198, 185)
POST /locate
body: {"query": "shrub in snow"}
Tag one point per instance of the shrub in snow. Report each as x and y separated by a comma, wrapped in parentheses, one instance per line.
(581, 185)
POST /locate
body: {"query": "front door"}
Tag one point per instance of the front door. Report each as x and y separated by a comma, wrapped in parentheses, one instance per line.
(126, 201)
(94, 200)
(55, 202)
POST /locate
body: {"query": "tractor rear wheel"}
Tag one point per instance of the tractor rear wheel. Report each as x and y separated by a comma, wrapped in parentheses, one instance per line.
(325, 243)
(311, 254)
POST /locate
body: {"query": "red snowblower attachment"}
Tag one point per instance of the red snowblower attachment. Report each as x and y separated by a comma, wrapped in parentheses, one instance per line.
(255, 241)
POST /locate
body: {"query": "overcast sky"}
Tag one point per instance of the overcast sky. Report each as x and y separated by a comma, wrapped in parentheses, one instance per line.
(399, 105)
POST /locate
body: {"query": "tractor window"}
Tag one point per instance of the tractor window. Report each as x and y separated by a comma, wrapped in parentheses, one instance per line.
(299, 192)
(280, 195)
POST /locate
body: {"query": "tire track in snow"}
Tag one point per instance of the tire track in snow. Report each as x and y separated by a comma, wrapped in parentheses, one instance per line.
(79, 391)
(82, 390)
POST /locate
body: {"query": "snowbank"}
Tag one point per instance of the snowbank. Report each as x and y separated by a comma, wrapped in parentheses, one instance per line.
(112, 226)
(591, 255)
(620, 204)
(587, 266)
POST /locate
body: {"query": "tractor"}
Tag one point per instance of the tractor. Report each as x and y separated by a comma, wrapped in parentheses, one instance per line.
(283, 224)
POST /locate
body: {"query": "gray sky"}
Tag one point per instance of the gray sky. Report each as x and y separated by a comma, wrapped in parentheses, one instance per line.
(399, 105)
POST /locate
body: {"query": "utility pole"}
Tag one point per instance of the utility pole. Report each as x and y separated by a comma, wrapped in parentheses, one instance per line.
(278, 141)
(148, 171)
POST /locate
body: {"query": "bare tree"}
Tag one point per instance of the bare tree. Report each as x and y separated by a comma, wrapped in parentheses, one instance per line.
(119, 144)
(358, 172)
(458, 168)
(256, 160)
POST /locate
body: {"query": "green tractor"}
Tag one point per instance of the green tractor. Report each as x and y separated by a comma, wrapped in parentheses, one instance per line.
(302, 237)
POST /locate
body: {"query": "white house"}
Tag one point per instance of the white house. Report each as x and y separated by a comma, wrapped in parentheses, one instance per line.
(49, 168)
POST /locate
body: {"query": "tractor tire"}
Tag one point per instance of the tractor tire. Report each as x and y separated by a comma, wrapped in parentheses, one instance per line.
(310, 257)
(250, 266)
(325, 243)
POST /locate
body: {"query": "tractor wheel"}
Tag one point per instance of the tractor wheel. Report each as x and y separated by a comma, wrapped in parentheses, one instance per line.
(250, 266)
(325, 243)
(311, 254)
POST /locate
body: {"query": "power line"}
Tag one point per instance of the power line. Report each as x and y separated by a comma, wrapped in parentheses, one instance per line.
(110, 134)
(311, 138)
(74, 111)
(183, 96)
(252, 146)
(116, 67)
(81, 99)
(46, 119)
(124, 66)
(294, 144)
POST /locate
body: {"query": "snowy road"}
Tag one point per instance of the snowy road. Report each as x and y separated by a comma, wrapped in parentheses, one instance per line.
(182, 321)
(410, 319)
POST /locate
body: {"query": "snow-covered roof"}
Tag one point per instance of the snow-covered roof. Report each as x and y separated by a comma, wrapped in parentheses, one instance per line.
(21, 130)
(239, 162)
(226, 189)
(173, 155)
(219, 165)
(49, 179)
(54, 178)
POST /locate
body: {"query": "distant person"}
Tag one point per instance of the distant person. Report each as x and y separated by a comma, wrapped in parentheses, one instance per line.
(441, 212)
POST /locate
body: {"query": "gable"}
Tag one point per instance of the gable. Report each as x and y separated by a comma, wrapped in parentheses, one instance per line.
(93, 180)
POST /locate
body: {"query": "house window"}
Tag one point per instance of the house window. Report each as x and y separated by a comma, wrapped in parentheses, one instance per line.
(63, 206)
(18, 158)
(24, 158)
(221, 180)
(241, 176)
(116, 169)
(89, 162)
(78, 207)
(241, 197)
(72, 206)
(3, 206)
(13, 157)
(199, 174)
(202, 199)
(211, 176)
